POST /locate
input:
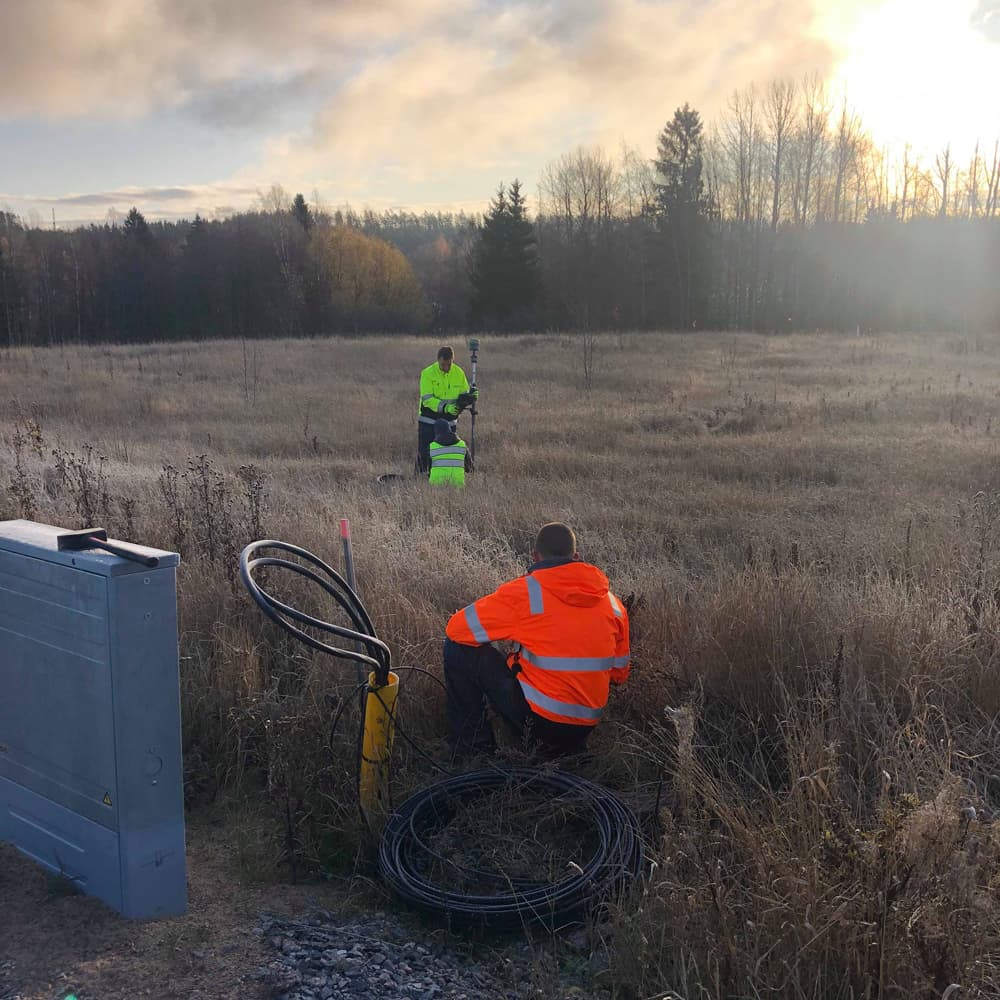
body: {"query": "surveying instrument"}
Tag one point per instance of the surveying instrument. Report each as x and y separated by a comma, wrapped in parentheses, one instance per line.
(473, 358)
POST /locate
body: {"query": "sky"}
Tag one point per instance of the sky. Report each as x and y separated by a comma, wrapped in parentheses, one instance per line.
(184, 106)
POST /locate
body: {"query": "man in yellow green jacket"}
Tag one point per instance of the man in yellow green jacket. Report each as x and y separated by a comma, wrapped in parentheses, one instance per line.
(449, 457)
(444, 391)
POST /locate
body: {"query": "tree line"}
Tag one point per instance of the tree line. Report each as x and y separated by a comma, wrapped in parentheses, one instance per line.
(783, 214)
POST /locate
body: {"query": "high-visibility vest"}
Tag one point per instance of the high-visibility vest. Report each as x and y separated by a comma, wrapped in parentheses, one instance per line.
(572, 634)
(448, 463)
(438, 389)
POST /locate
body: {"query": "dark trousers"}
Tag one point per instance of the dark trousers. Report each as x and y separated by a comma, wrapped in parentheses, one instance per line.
(475, 675)
(425, 435)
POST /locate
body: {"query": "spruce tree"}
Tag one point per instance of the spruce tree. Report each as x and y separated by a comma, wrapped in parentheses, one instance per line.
(679, 163)
(301, 212)
(488, 263)
(683, 216)
(505, 265)
(523, 257)
(135, 225)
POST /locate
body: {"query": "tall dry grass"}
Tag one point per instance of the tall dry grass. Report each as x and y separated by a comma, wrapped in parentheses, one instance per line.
(808, 528)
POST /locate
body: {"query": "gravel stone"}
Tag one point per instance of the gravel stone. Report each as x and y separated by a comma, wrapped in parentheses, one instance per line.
(318, 958)
(7, 990)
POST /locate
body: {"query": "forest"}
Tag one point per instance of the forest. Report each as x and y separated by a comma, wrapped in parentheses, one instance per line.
(782, 214)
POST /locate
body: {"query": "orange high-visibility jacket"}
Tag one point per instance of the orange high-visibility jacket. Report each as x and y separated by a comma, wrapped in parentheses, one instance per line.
(572, 632)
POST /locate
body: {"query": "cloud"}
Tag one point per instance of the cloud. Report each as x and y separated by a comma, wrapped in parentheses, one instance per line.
(253, 103)
(528, 80)
(401, 101)
(179, 202)
(115, 197)
(91, 57)
(986, 18)
(148, 194)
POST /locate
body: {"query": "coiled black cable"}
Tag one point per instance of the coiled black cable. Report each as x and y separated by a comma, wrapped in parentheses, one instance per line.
(378, 657)
(404, 857)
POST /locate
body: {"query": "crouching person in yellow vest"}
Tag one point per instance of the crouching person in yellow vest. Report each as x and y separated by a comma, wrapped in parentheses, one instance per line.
(449, 456)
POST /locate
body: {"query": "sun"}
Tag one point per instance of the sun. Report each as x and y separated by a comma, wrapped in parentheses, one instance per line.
(918, 72)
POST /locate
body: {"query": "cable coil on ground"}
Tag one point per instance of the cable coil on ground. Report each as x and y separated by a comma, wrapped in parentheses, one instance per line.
(404, 854)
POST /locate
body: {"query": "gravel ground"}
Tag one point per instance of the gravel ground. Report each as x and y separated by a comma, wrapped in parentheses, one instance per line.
(332, 940)
(6, 981)
(319, 958)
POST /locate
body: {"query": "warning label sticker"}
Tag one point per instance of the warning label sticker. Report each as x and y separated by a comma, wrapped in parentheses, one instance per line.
(107, 799)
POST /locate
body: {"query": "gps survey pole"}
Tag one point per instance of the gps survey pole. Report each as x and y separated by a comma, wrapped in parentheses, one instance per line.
(473, 357)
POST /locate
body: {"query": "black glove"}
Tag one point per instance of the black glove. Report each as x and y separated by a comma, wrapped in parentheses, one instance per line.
(466, 399)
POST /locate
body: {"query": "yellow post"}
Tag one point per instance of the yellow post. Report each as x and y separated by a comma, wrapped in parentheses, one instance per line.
(376, 745)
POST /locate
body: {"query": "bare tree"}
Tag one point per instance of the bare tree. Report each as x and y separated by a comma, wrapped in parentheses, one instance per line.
(972, 180)
(943, 164)
(277, 205)
(815, 124)
(845, 157)
(874, 179)
(581, 188)
(578, 195)
(867, 179)
(637, 184)
(906, 181)
(743, 168)
(779, 109)
(924, 197)
(638, 202)
(993, 183)
(740, 136)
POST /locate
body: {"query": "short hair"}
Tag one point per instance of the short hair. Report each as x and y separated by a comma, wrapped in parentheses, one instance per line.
(445, 353)
(555, 541)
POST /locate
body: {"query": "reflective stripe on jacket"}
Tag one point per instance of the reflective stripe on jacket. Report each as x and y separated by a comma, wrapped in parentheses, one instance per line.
(448, 463)
(438, 389)
(572, 632)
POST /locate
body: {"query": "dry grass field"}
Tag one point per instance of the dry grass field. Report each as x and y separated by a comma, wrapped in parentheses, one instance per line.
(808, 529)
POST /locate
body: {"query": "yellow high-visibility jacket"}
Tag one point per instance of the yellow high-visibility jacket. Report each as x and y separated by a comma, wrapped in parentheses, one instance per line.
(438, 389)
(448, 462)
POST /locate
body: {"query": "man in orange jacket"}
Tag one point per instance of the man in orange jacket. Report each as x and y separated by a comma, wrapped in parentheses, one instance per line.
(572, 643)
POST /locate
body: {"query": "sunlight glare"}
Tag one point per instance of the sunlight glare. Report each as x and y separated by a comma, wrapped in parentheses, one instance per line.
(918, 72)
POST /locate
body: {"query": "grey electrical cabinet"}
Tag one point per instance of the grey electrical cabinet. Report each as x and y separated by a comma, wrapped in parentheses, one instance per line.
(91, 781)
